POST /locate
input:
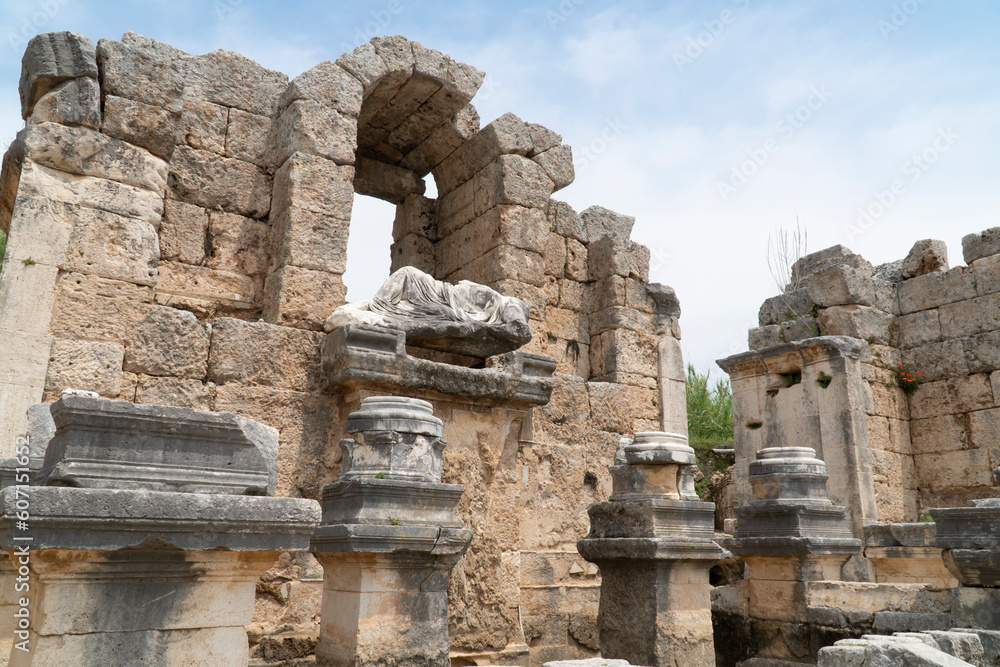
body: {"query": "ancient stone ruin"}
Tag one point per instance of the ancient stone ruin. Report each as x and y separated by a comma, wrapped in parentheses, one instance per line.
(212, 457)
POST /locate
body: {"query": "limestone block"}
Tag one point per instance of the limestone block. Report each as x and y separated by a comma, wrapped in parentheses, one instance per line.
(204, 126)
(458, 208)
(72, 102)
(800, 329)
(542, 138)
(576, 261)
(558, 165)
(926, 256)
(87, 191)
(983, 425)
(620, 317)
(621, 405)
(112, 246)
(233, 80)
(987, 274)
(936, 289)
(40, 230)
(512, 179)
(460, 80)
(205, 179)
(314, 184)
(25, 361)
(364, 64)
(839, 284)
(153, 128)
(244, 352)
(938, 434)
(412, 250)
(416, 215)
(982, 352)
(623, 351)
(573, 295)
(919, 328)
(203, 290)
(608, 292)
(443, 141)
(983, 244)
(50, 59)
(936, 361)
(784, 307)
(302, 298)
(168, 342)
(763, 337)
(551, 289)
(565, 221)
(178, 392)
(504, 263)
(94, 308)
(327, 83)
(821, 260)
(530, 294)
(183, 232)
(85, 364)
(966, 318)
(863, 322)
(385, 181)
(307, 433)
(567, 324)
(601, 222)
(555, 256)
(310, 240)
(515, 226)
(80, 150)
(886, 297)
(309, 127)
(146, 73)
(507, 135)
(10, 173)
(609, 256)
(237, 244)
(952, 396)
(955, 470)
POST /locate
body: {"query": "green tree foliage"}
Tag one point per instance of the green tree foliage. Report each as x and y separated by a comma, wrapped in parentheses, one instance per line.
(710, 411)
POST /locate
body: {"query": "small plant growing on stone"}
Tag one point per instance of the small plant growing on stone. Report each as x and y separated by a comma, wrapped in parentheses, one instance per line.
(926, 518)
(824, 380)
(28, 262)
(754, 424)
(907, 379)
(394, 521)
(380, 475)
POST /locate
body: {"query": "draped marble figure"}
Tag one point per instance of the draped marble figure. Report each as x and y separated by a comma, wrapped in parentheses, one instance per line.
(466, 318)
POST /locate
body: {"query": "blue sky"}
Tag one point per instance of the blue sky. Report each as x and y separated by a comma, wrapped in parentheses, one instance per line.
(714, 123)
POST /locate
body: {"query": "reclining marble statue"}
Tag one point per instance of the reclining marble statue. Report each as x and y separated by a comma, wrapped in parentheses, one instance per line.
(466, 318)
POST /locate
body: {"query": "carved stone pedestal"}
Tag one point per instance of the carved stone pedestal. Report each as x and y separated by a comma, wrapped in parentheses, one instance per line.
(654, 544)
(124, 575)
(789, 536)
(389, 537)
(970, 538)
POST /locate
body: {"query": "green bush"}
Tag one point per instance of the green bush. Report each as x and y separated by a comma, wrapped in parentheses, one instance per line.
(710, 411)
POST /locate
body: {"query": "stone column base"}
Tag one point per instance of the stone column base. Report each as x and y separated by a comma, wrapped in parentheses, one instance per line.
(143, 605)
(384, 609)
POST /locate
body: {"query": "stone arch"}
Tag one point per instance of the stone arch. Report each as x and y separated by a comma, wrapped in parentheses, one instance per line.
(377, 122)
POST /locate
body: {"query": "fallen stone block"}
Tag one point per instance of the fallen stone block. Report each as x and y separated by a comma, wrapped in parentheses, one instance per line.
(983, 244)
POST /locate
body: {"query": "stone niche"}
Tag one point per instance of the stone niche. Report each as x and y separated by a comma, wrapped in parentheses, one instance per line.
(187, 216)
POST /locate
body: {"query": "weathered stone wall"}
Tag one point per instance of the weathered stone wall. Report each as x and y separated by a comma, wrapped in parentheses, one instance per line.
(934, 448)
(178, 231)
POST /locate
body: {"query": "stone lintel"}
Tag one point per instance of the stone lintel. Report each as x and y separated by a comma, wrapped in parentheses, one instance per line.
(101, 443)
(111, 519)
(647, 548)
(794, 546)
(967, 527)
(374, 501)
(362, 357)
(778, 358)
(381, 538)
